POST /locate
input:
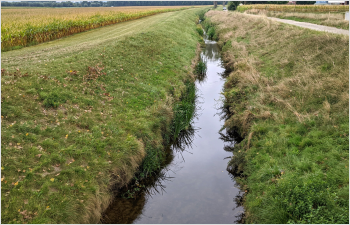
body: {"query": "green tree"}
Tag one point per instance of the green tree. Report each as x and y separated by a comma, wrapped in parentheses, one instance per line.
(306, 2)
(232, 5)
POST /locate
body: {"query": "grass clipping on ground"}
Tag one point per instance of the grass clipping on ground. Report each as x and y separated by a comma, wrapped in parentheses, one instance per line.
(288, 96)
(74, 125)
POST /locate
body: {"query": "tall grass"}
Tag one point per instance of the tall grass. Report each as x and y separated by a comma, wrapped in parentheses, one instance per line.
(199, 30)
(201, 69)
(201, 14)
(209, 29)
(184, 111)
(290, 101)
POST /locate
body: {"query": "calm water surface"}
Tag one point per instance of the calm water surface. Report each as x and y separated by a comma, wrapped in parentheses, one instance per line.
(194, 186)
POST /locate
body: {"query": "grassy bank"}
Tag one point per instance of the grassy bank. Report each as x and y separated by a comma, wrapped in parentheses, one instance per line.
(80, 114)
(288, 97)
(325, 19)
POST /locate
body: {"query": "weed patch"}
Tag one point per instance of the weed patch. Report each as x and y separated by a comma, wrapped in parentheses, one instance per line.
(53, 99)
(199, 29)
(209, 29)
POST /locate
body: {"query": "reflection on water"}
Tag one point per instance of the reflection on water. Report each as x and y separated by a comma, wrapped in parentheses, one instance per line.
(211, 52)
(127, 208)
(231, 137)
(185, 139)
(193, 185)
(201, 78)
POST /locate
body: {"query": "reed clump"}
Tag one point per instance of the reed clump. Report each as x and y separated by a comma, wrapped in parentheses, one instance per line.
(201, 68)
(184, 111)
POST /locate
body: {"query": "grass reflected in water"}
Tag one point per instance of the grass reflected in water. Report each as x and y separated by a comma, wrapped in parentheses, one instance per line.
(131, 199)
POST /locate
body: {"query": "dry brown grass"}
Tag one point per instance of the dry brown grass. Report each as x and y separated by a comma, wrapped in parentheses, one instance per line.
(291, 72)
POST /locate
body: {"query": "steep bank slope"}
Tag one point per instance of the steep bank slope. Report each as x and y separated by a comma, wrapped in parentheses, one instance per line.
(288, 96)
(80, 113)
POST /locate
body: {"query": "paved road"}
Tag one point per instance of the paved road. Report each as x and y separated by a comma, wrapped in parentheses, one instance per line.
(312, 26)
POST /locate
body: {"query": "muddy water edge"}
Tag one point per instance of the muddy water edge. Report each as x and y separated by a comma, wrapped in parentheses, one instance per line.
(193, 185)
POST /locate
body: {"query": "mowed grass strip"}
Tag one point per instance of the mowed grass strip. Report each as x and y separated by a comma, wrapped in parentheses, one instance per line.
(288, 96)
(75, 124)
(29, 26)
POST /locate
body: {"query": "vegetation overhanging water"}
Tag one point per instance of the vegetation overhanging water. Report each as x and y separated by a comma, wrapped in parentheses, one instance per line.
(191, 186)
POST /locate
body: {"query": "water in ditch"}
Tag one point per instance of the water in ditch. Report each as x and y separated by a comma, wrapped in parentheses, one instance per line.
(193, 186)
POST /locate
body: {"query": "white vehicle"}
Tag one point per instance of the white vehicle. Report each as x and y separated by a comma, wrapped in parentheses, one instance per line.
(224, 9)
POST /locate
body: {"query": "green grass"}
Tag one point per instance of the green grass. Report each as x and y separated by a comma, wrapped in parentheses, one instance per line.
(200, 30)
(289, 100)
(209, 29)
(201, 69)
(299, 172)
(80, 114)
(183, 115)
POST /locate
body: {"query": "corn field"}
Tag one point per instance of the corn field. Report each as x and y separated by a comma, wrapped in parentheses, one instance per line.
(26, 26)
(296, 8)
